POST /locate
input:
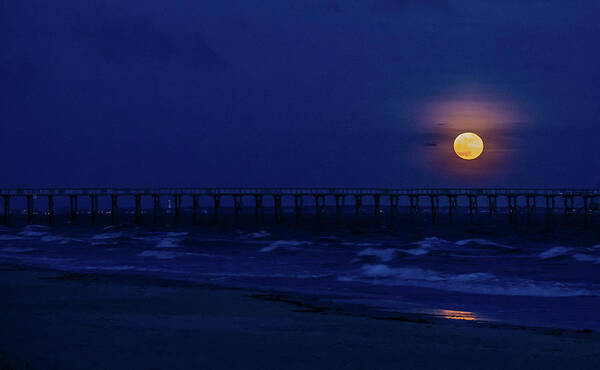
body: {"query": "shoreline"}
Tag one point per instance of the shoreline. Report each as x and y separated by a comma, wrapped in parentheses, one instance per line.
(115, 312)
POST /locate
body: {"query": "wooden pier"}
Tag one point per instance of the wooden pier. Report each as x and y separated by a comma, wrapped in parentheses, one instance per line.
(383, 201)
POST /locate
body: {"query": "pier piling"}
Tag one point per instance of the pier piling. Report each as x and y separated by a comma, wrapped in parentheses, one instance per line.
(138, 209)
(156, 209)
(237, 208)
(298, 200)
(177, 206)
(30, 209)
(6, 210)
(258, 210)
(277, 208)
(50, 210)
(94, 208)
(114, 210)
(216, 206)
(73, 207)
(195, 198)
(339, 209)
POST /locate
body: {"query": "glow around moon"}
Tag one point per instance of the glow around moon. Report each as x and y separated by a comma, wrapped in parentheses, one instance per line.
(468, 145)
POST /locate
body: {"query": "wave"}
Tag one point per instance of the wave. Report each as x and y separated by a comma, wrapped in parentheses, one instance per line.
(554, 252)
(7, 237)
(475, 283)
(586, 258)
(430, 243)
(168, 243)
(174, 234)
(32, 233)
(55, 238)
(17, 250)
(284, 244)
(484, 242)
(384, 255)
(162, 255)
(105, 236)
(259, 234)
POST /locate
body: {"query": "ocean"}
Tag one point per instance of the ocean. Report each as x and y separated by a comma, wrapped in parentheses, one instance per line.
(453, 272)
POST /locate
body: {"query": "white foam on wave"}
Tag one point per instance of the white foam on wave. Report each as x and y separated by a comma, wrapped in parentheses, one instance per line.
(475, 283)
(17, 249)
(482, 242)
(168, 243)
(554, 252)
(430, 243)
(284, 244)
(368, 244)
(162, 255)
(106, 236)
(586, 258)
(414, 251)
(260, 234)
(176, 234)
(384, 255)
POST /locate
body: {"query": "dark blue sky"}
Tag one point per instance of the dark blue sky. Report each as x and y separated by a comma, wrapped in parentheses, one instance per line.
(298, 93)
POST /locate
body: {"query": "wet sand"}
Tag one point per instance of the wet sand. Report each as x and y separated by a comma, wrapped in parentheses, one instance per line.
(58, 320)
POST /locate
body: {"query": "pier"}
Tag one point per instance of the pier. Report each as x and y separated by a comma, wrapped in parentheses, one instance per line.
(332, 202)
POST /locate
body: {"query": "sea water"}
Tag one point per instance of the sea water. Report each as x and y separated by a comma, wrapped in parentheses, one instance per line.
(505, 278)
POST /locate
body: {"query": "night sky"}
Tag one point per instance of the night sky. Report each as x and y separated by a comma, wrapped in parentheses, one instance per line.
(299, 93)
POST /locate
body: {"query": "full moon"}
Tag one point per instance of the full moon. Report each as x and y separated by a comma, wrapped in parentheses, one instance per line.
(468, 145)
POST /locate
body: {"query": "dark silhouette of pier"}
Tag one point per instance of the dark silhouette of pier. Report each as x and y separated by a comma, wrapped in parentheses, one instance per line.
(383, 201)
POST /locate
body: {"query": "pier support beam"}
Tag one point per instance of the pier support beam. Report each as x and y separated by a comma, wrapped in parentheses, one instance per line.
(258, 209)
(569, 206)
(512, 207)
(357, 207)
(216, 206)
(177, 204)
(393, 208)
(195, 198)
(473, 207)
(550, 203)
(414, 206)
(377, 208)
(114, 217)
(339, 209)
(138, 210)
(30, 209)
(435, 205)
(6, 210)
(530, 207)
(452, 206)
(94, 208)
(50, 210)
(492, 205)
(319, 207)
(298, 200)
(587, 210)
(237, 208)
(277, 209)
(156, 209)
(73, 206)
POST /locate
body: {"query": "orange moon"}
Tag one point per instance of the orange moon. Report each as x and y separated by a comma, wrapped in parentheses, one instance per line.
(468, 145)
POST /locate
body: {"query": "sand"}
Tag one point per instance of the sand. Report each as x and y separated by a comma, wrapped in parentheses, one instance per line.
(57, 320)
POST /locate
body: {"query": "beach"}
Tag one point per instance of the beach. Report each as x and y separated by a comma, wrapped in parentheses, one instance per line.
(63, 320)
